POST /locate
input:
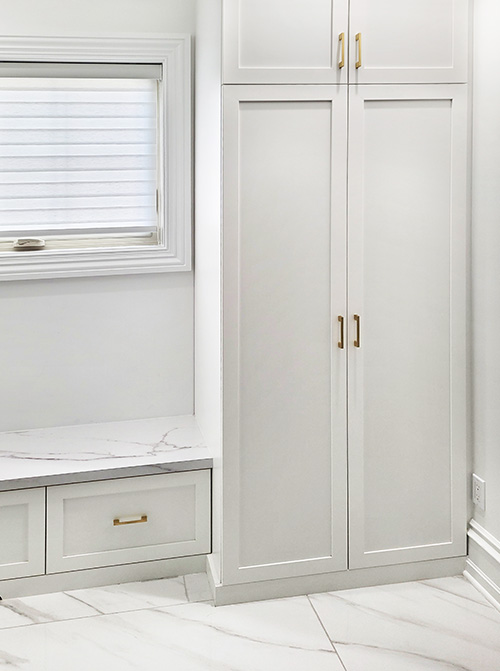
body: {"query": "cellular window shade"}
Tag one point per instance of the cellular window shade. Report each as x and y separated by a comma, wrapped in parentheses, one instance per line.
(78, 156)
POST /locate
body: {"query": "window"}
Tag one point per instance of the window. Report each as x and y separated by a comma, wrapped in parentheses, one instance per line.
(94, 157)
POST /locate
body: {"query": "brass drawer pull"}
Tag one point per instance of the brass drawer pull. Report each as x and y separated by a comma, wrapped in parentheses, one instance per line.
(358, 40)
(120, 521)
(341, 341)
(342, 52)
(357, 342)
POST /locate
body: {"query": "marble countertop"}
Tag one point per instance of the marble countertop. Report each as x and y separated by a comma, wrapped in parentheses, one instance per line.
(61, 455)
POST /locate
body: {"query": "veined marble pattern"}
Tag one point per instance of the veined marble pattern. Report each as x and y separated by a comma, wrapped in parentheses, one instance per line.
(435, 625)
(438, 625)
(110, 599)
(100, 447)
(266, 636)
(135, 595)
(42, 608)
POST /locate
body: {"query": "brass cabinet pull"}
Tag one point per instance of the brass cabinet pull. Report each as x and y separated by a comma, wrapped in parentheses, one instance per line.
(342, 50)
(118, 522)
(358, 42)
(341, 341)
(357, 342)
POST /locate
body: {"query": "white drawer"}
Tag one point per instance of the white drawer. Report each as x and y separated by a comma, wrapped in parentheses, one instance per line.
(22, 533)
(128, 520)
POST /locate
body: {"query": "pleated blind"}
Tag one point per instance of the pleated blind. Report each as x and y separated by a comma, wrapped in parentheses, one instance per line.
(78, 154)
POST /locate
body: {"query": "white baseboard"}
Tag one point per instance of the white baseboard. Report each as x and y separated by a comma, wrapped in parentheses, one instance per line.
(483, 562)
(97, 577)
(329, 582)
(212, 570)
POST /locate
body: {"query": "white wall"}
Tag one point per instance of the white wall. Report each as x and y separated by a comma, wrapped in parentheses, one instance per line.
(95, 349)
(486, 259)
(74, 17)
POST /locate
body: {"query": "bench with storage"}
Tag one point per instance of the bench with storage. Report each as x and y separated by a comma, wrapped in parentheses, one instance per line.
(102, 495)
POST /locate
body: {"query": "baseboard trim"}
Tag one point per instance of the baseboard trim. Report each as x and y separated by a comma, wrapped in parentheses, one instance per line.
(212, 574)
(97, 577)
(330, 582)
(482, 583)
(483, 562)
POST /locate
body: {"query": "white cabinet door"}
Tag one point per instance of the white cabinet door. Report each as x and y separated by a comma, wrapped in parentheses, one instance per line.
(276, 41)
(407, 283)
(22, 533)
(128, 520)
(284, 374)
(408, 41)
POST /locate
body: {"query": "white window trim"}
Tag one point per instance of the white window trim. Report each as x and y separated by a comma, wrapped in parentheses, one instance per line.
(173, 52)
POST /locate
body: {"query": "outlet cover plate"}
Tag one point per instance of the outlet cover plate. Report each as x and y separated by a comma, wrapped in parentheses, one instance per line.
(478, 492)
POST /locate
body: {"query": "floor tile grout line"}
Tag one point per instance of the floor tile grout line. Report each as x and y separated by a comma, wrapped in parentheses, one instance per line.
(97, 614)
(326, 632)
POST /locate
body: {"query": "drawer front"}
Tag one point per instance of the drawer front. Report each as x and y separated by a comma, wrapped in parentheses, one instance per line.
(22, 533)
(128, 520)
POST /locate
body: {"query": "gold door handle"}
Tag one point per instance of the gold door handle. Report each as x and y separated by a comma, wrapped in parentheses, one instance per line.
(357, 342)
(358, 42)
(341, 341)
(137, 519)
(342, 50)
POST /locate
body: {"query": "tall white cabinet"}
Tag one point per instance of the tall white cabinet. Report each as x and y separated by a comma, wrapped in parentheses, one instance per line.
(344, 286)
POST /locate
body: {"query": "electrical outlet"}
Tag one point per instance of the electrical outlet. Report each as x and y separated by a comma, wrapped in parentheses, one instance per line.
(478, 491)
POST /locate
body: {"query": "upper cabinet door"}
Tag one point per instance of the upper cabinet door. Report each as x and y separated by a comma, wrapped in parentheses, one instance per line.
(280, 42)
(408, 41)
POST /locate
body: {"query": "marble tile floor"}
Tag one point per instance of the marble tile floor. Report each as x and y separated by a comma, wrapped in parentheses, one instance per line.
(171, 625)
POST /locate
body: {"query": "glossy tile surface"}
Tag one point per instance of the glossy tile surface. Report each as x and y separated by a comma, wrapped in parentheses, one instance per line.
(42, 608)
(435, 625)
(197, 587)
(103, 600)
(134, 595)
(275, 635)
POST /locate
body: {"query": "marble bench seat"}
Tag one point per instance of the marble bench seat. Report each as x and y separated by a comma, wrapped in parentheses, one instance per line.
(63, 455)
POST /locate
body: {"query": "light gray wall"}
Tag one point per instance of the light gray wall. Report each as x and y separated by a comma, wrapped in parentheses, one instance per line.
(96, 349)
(486, 259)
(74, 17)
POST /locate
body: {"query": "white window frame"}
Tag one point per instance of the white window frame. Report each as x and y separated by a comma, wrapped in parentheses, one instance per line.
(173, 253)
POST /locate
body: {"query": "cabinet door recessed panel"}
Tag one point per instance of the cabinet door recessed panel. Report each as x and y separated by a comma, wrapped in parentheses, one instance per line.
(285, 224)
(415, 41)
(22, 533)
(406, 378)
(277, 41)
